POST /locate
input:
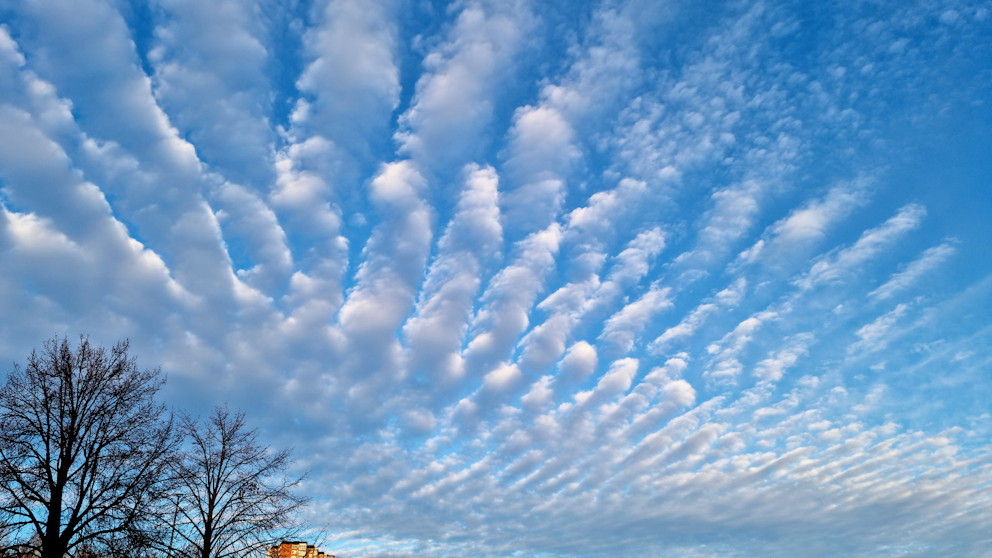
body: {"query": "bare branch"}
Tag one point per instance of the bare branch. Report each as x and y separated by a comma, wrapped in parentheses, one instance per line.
(235, 496)
(84, 451)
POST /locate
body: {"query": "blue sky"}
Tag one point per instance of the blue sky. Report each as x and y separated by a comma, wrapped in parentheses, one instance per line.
(620, 278)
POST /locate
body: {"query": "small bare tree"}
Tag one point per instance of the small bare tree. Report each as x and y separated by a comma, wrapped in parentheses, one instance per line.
(234, 497)
(83, 451)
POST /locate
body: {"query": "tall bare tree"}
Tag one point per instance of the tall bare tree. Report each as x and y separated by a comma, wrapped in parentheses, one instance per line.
(83, 451)
(234, 497)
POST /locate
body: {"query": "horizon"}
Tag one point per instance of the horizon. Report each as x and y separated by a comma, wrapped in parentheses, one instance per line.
(534, 278)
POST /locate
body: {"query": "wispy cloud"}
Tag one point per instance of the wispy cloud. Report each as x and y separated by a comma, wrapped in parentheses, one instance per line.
(872, 242)
(928, 260)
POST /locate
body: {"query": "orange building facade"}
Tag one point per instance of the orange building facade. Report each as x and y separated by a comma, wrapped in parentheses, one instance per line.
(296, 549)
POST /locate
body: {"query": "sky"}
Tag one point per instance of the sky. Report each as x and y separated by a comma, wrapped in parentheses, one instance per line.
(534, 278)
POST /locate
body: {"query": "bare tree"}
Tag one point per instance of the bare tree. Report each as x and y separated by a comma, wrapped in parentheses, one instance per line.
(83, 451)
(234, 497)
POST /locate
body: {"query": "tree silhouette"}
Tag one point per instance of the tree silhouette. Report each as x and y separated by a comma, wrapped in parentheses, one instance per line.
(233, 496)
(84, 450)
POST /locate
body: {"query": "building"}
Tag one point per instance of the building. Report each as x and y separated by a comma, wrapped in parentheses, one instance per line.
(296, 549)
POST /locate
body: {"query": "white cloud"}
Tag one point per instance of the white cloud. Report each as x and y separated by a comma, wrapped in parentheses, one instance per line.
(622, 329)
(542, 144)
(540, 394)
(541, 151)
(302, 201)
(453, 105)
(724, 367)
(634, 262)
(8, 47)
(545, 343)
(731, 215)
(509, 297)
(301, 190)
(579, 363)
(71, 245)
(139, 155)
(570, 304)
(787, 240)
(617, 380)
(209, 60)
(502, 377)
(386, 283)
(727, 298)
(603, 209)
(928, 260)
(876, 335)
(248, 218)
(435, 331)
(832, 268)
(775, 366)
(353, 80)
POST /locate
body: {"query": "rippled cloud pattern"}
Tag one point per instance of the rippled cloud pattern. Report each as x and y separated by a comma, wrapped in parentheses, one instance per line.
(535, 278)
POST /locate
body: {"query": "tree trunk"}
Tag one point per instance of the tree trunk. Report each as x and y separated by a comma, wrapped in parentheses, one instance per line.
(208, 540)
(52, 545)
